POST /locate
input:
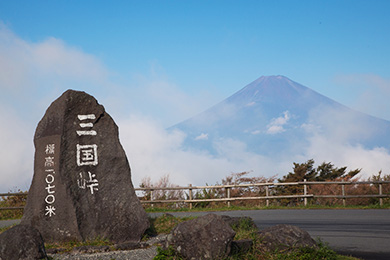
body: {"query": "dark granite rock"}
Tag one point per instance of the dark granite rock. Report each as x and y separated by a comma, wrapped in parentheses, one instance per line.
(285, 237)
(82, 186)
(207, 237)
(22, 242)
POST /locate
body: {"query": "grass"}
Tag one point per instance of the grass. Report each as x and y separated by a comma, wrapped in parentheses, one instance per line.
(233, 208)
(163, 225)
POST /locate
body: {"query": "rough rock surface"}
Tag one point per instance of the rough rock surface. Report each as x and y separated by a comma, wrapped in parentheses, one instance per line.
(22, 242)
(82, 186)
(207, 237)
(284, 237)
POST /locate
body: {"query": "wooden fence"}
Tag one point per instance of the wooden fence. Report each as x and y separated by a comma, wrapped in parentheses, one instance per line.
(268, 196)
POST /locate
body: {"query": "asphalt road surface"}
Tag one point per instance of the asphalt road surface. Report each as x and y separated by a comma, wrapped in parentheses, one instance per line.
(361, 233)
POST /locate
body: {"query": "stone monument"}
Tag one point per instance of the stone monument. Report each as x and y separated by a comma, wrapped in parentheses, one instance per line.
(82, 187)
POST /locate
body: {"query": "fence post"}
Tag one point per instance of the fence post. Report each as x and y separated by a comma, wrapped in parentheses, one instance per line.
(305, 193)
(343, 193)
(228, 195)
(267, 194)
(151, 198)
(380, 193)
(190, 194)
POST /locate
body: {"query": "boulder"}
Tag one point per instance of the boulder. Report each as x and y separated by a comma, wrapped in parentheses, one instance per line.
(81, 188)
(207, 237)
(285, 237)
(22, 242)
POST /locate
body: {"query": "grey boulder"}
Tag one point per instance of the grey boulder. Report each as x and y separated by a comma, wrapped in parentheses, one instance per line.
(285, 237)
(207, 237)
(22, 242)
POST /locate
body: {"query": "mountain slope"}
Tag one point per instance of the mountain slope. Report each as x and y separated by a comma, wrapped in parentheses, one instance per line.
(276, 116)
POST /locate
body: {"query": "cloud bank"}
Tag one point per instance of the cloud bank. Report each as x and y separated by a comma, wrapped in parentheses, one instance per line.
(32, 75)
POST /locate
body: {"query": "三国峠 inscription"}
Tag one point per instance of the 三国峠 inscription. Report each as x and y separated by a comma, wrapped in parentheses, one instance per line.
(86, 154)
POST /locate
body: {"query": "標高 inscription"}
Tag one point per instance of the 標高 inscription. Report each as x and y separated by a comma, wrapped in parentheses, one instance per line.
(50, 187)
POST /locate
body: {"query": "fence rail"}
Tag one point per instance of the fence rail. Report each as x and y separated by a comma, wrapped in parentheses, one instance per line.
(267, 197)
(12, 194)
(305, 196)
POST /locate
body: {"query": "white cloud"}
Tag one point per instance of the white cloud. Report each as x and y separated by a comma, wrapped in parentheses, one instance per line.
(24, 65)
(16, 152)
(154, 152)
(202, 136)
(32, 75)
(256, 132)
(369, 93)
(54, 57)
(371, 161)
(334, 137)
(276, 124)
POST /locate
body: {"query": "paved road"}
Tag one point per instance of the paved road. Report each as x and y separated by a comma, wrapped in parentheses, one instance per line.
(360, 233)
(7, 223)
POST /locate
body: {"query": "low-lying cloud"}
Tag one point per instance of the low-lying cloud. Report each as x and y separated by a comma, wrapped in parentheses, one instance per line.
(154, 152)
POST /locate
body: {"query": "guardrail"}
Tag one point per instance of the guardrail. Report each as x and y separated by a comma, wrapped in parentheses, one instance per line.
(267, 195)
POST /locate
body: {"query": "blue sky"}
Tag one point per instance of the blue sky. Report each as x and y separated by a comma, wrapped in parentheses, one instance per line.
(165, 61)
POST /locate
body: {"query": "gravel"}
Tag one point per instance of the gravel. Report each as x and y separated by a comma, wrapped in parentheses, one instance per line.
(136, 254)
(149, 251)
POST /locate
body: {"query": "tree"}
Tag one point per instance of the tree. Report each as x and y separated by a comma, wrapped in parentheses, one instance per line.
(306, 171)
(324, 172)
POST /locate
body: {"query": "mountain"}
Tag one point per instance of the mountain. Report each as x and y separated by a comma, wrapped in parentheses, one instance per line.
(275, 116)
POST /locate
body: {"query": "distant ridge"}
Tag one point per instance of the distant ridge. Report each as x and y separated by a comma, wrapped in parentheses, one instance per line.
(276, 116)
